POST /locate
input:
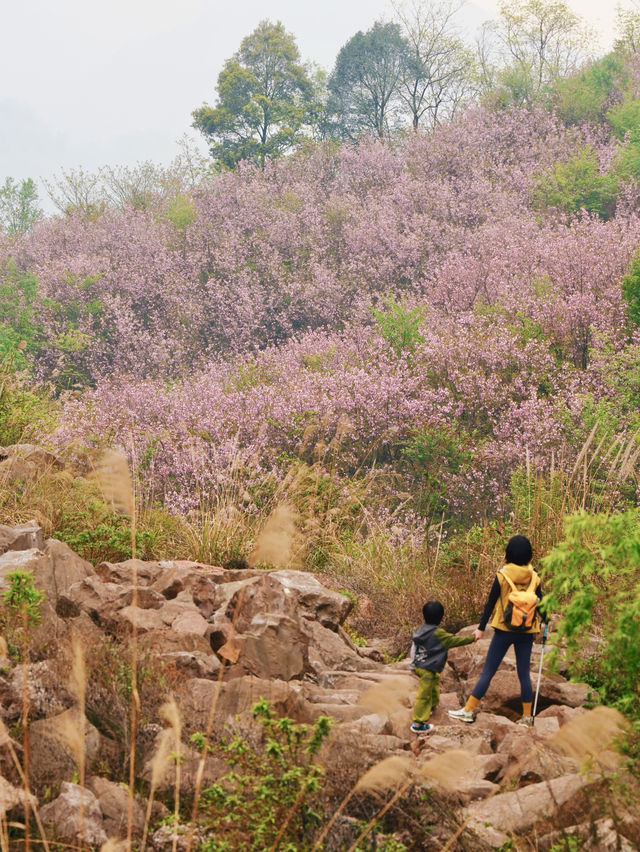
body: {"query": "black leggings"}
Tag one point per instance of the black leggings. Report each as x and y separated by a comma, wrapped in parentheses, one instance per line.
(500, 644)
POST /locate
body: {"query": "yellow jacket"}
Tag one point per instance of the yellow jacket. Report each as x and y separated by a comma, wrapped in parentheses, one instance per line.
(520, 575)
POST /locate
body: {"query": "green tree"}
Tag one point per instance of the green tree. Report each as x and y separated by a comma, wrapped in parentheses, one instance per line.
(365, 82)
(19, 208)
(266, 99)
(586, 96)
(535, 43)
(628, 30)
(439, 71)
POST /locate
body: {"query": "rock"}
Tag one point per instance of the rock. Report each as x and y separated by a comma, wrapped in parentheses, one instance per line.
(164, 641)
(15, 469)
(32, 559)
(466, 658)
(43, 636)
(504, 688)
(275, 647)
(113, 800)
(530, 761)
(446, 737)
(11, 797)
(560, 691)
(65, 569)
(193, 663)
(162, 765)
(348, 754)
(75, 816)
(123, 572)
(56, 745)
(125, 619)
(516, 812)
(314, 600)
(371, 723)
(179, 837)
(193, 577)
(201, 697)
(90, 595)
(38, 456)
(184, 617)
(46, 692)
(27, 536)
(560, 712)
(600, 835)
(327, 650)
(499, 726)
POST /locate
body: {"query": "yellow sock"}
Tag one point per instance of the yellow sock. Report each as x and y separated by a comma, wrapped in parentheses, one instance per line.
(472, 703)
(526, 708)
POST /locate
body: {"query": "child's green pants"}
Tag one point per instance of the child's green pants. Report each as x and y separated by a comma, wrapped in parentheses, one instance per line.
(427, 696)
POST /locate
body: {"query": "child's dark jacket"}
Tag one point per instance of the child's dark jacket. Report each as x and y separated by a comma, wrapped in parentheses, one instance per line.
(430, 646)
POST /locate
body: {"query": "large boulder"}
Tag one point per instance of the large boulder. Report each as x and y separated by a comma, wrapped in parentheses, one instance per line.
(65, 568)
(113, 800)
(314, 600)
(56, 744)
(44, 635)
(74, 817)
(204, 701)
(27, 536)
(518, 811)
(43, 459)
(40, 685)
(11, 797)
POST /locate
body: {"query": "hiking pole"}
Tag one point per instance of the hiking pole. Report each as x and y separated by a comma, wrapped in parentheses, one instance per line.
(544, 640)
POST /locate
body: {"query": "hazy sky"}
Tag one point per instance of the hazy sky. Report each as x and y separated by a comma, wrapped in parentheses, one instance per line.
(90, 82)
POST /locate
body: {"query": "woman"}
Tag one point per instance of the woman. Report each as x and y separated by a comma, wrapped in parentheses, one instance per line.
(518, 570)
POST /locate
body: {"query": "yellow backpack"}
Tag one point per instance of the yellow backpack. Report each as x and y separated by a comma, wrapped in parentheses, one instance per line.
(520, 611)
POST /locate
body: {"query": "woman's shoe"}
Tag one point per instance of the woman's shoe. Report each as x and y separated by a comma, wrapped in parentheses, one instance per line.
(462, 714)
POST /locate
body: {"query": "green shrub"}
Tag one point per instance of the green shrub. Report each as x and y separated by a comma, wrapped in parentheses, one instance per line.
(578, 184)
(593, 581)
(399, 325)
(631, 293)
(431, 453)
(18, 313)
(271, 787)
(23, 409)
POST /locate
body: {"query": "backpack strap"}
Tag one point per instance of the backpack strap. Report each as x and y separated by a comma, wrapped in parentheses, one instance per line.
(509, 581)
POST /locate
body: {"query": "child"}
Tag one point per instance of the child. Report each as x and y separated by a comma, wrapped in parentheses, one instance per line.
(428, 656)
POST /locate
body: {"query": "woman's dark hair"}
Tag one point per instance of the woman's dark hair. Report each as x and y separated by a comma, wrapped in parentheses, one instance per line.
(432, 612)
(519, 550)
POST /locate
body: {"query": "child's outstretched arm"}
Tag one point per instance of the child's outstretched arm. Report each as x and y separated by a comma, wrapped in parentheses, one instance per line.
(449, 640)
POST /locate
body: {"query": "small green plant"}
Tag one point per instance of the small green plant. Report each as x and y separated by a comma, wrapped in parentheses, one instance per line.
(20, 609)
(399, 325)
(269, 793)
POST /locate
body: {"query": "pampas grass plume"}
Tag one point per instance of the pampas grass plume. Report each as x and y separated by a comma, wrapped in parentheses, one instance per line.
(388, 696)
(112, 475)
(448, 768)
(78, 676)
(589, 735)
(277, 543)
(388, 774)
